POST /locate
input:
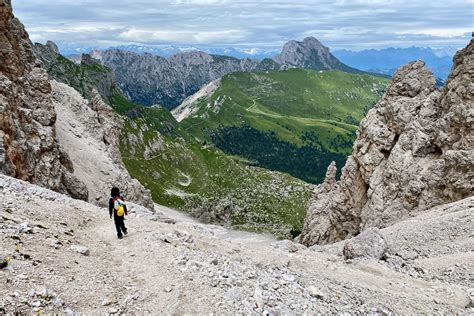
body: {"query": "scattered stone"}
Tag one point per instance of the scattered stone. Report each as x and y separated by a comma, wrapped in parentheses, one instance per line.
(470, 293)
(25, 228)
(80, 249)
(288, 245)
(108, 302)
(176, 238)
(258, 297)
(315, 292)
(57, 302)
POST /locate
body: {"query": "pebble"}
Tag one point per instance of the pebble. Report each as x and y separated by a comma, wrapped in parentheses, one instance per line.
(80, 249)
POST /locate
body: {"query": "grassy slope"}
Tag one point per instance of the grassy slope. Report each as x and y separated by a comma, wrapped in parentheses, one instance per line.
(210, 185)
(290, 103)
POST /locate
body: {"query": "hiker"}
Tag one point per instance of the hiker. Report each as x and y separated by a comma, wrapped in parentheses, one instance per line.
(119, 209)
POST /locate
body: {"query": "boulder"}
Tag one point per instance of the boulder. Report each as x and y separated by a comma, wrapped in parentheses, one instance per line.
(369, 244)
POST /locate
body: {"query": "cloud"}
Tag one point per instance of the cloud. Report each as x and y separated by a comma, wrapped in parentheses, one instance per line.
(182, 37)
(352, 24)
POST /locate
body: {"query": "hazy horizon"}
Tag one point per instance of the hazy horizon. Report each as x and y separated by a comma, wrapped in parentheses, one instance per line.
(267, 25)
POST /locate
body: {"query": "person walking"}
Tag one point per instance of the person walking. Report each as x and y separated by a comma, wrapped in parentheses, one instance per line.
(118, 208)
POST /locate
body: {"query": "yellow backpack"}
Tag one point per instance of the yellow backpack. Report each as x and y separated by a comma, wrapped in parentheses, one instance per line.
(119, 206)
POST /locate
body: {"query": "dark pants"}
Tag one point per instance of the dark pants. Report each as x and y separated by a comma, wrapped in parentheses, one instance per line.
(120, 225)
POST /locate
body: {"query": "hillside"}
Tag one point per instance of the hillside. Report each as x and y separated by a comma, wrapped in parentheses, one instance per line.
(206, 183)
(148, 79)
(283, 120)
(84, 76)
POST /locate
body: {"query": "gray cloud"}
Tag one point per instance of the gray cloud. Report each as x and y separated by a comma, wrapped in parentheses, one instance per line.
(354, 24)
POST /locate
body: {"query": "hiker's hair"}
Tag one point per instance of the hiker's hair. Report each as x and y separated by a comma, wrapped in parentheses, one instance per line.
(115, 192)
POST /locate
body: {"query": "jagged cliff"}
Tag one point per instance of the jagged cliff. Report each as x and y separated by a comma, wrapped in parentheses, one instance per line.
(28, 145)
(414, 150)
(49, 134)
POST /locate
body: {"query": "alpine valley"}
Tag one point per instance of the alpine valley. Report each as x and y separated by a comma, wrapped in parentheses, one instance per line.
(286, 185)
(245, 149)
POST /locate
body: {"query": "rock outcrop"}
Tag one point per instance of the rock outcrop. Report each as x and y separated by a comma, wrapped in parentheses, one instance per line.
(28, 145)
(87, 75)
(89, 131)
(414, 151)
(310, 54)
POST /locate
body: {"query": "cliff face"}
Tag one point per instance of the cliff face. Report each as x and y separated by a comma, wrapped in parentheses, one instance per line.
(149, 80)
(89, 131)
(28, 146)
(414, 150)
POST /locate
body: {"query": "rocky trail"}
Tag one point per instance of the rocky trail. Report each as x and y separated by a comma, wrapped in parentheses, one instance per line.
(62, 255)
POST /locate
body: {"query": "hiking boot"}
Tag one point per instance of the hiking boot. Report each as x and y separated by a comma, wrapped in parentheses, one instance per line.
(126, 232)
(120, 237)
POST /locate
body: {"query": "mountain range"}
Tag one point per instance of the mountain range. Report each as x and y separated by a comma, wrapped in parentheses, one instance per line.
(148, 79)
(386, 61)
(170, 50)
(383, 61)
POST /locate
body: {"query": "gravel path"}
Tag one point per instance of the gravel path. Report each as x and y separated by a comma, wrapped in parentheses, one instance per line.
(63, 256)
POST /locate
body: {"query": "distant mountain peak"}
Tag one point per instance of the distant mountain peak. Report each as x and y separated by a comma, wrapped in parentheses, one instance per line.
(310, 54)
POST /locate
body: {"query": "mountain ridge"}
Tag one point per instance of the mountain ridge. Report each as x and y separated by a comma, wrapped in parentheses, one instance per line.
(147, 79)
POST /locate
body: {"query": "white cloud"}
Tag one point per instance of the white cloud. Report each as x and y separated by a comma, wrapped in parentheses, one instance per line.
(249, 23)
(182, 37)
(200, 2)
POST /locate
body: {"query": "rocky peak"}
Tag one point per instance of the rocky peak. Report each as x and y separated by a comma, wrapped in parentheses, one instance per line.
(52, 46)
(28, 145)
(414, 151)
(87, 59)
(309, 53)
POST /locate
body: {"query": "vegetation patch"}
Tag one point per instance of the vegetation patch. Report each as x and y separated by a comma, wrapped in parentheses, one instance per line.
(295, 121)
(203, 181)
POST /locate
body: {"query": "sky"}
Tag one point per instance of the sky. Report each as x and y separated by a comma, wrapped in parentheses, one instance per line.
(265, 24)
